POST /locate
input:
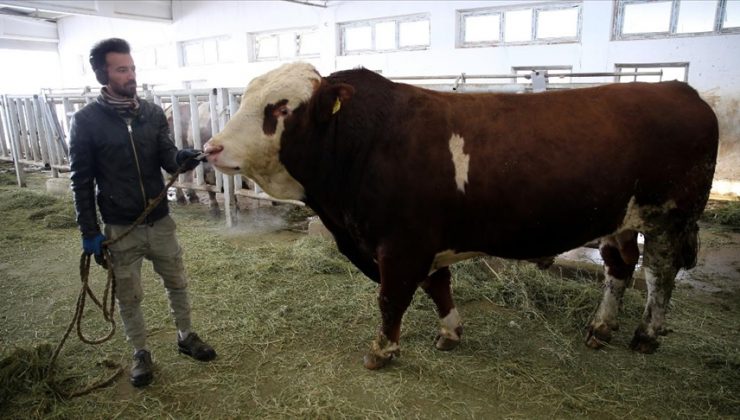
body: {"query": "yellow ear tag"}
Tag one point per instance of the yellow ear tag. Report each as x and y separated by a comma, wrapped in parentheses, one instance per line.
(337, 105)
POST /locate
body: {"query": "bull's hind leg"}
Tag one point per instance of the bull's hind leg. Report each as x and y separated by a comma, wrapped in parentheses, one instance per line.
(437, 286)
(666, 252)
(620, 254)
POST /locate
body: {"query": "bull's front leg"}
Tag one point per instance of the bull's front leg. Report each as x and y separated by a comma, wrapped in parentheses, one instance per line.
(437, 287)
(399, 277)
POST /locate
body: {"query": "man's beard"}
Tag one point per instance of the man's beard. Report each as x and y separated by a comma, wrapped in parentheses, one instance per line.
(128, 90)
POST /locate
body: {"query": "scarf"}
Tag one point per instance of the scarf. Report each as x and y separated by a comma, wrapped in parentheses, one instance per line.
(126, 107)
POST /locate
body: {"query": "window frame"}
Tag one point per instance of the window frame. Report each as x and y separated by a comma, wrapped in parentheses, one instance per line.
(619, 66)
(618, 22)
(536, 8)
(182, 56)
(397, 20)
(296, 34)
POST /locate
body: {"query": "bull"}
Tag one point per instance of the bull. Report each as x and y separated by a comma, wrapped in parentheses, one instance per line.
(410, 181)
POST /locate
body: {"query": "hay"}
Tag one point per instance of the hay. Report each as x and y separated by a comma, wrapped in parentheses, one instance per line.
(723, 212)
(23, 370)
(7, 177)
(60, 221)
(26, 199)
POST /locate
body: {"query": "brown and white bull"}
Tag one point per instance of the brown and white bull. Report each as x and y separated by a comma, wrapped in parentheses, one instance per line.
(410, 181)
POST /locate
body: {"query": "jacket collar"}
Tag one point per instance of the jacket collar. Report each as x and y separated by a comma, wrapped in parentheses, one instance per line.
(144, 111)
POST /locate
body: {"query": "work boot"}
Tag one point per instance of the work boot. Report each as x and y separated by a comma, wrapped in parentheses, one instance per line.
(196, 348)
(141, 371)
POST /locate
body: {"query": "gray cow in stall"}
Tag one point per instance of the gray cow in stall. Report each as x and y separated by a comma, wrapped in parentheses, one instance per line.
(204, 124)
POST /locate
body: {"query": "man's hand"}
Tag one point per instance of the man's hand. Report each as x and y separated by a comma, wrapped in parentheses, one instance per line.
(93, 245)
(189, 157)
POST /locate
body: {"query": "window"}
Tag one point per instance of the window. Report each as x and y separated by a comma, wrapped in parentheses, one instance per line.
(383, 35)
(207, 51)
(665, 18)
(543, 23)
(154, 57)
(285, 45)
(731, 15)
(482, 28)
(670, 71)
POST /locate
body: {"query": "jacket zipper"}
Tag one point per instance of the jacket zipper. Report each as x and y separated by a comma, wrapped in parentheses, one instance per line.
(136, 159)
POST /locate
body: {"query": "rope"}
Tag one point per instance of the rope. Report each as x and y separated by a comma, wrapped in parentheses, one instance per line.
(109, 302)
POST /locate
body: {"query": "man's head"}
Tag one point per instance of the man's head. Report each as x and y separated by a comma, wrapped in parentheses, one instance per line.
(111, 60)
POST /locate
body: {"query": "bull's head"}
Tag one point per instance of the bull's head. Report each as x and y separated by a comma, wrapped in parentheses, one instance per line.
(250, 142)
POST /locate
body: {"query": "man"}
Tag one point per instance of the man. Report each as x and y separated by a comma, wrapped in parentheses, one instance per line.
(120, 143)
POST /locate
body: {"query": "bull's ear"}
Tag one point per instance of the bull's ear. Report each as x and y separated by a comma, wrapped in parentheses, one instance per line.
(330, 98)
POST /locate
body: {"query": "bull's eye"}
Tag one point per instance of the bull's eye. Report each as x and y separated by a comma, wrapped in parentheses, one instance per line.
(272, 113)
(281, 111)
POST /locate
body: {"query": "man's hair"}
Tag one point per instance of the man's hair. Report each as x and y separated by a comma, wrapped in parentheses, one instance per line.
(100, 50)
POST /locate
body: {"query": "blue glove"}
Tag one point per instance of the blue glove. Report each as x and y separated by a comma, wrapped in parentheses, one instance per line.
(93, 245)
(189, 157)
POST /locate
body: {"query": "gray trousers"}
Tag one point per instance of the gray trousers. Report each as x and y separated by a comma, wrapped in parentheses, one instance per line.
(157, 243)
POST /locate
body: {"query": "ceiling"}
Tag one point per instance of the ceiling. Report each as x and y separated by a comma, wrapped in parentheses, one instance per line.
(46, 14)
(27, 12)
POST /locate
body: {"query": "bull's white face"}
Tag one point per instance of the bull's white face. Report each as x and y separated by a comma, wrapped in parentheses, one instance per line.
(250, 142)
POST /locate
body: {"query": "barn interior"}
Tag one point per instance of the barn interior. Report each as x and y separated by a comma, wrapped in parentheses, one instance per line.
(252, 257)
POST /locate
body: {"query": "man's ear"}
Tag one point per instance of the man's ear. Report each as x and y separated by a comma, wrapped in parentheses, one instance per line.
(330, 98)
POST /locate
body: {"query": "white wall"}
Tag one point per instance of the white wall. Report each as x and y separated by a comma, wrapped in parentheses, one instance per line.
(77, 34)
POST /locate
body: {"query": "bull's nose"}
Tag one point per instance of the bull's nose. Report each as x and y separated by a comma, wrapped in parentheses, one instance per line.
(212, 151)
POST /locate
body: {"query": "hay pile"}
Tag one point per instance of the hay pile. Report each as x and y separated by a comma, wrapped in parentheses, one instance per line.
(24, 371)
(52, 212)
(723, 212)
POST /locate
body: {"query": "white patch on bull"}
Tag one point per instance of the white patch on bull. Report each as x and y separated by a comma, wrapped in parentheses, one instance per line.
(609, 307)
(449, 324)
(449, 257)
(633, 216)
(246, 148)
(655, 308)
(460, 161)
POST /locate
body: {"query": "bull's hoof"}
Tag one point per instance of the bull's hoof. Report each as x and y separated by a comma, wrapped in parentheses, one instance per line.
(381, 352)
(598, 337)
(446, 343)
(373, 361)
(215, 212)
(644, 343)
(447, 340)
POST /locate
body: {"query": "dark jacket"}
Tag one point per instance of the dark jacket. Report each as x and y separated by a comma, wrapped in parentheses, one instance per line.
(104, 150)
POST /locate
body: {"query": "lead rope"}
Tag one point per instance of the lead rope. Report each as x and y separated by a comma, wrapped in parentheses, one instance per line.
(109, 301)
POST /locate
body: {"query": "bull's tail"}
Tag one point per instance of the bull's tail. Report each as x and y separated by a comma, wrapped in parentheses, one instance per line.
(690, 247)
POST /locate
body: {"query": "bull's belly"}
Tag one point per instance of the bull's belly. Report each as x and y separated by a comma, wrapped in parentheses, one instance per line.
(524, 245)
(449, 257)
